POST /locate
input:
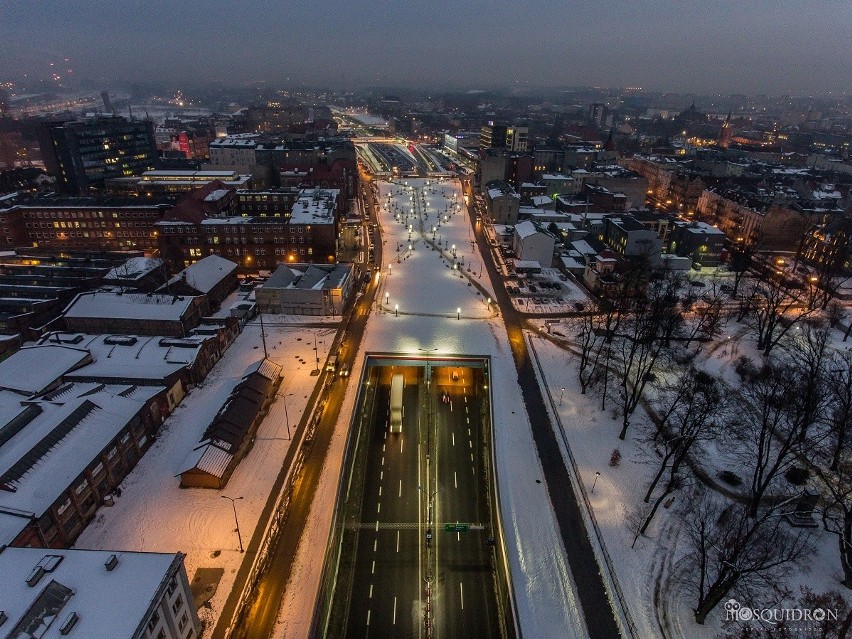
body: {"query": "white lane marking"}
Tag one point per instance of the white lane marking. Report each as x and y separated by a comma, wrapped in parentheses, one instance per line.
(473, 470)
(373, 569)
(471, 457)
(380, 491)
(368, 617)
(371, 591)
(455, 480)
(383, 447)
(397, 541)
(377, 525)
(468, 419)
(470, 442)
(400, 444)
(383, 460)
(451, 406)
(461, 592)
(394, 610)
(465, 400)
(379, 507)
(375, 544)
(381, 475)
(454, 438)
(400, 488)
(458, 536)
(468, 432)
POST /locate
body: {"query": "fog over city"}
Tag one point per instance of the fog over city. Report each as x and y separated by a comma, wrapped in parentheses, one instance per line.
(783, 47)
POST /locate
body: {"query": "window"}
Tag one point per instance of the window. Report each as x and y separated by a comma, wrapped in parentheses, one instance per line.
(155, 619)
(183, 621)
(172, 586)
(177, 605)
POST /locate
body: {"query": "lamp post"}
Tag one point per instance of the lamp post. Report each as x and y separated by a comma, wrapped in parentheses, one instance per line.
(233, 501)
(396, 310)
(316, 355)
(594, 483)
(387, 298)
(561, 392)
(458, 313)
(286, 415)
(262, 332)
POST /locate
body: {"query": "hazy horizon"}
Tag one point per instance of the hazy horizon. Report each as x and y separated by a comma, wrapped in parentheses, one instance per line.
(774, 48)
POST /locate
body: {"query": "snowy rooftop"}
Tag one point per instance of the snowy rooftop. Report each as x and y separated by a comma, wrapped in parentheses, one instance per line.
(315, 206)
(309, 276)
(131, 358)
(109, 603)
(134, 268)
(525, 229)
(204, 274)
(138, 306)
(33, 369)
(58, 437)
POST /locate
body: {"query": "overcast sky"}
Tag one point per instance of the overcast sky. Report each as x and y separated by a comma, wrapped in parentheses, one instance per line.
(745, 46)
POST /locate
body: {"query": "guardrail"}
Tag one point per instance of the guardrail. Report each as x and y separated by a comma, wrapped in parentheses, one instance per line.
(610, 580)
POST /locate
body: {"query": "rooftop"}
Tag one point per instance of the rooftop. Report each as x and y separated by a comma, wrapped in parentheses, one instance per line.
(108, 602)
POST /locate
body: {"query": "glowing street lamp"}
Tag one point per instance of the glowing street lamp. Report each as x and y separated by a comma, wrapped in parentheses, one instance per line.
(233, 501)
(458, 313)
(396, 310)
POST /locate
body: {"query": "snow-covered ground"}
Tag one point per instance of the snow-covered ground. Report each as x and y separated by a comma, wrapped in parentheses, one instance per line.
(645, 573)
(429, 296)
(154, 514)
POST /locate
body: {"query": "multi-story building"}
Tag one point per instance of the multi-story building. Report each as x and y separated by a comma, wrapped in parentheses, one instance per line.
(307, 289)
(501, 136)
(96, 593)
(697, 240)
(502, 203)
(533, 244)
(631, 239)
(163, 183)
(752, 220)
(87, 223)
(257, 240)
(82, 154)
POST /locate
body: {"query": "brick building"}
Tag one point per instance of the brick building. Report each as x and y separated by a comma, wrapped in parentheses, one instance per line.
(258, 240)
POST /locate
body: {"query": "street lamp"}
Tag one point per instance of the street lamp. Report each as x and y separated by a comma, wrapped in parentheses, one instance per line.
(233, 501)
(561, 392)
(387, 298)
(597, 474)
(458, 313)
(286, 416)
(396, 310)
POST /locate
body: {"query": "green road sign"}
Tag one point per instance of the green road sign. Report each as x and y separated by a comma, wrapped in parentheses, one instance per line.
(456, 527)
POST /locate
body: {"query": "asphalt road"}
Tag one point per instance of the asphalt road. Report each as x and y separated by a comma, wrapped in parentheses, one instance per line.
(396, 571)
(599, 616)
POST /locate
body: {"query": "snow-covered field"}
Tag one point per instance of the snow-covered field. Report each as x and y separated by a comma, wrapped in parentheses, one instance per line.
(658, 606)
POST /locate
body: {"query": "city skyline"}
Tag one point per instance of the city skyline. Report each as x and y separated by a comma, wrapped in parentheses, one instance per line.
(721, 47)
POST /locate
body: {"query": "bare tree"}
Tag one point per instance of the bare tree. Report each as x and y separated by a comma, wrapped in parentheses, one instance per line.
(731, 550)
(768, 440)
(704, 315)
(836, 489)
(654, 320)
(688, 410)
(840, 403)
(777, 304)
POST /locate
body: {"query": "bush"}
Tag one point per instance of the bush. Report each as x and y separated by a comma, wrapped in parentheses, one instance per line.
(615, 458)
(797, 476)
(730, 478)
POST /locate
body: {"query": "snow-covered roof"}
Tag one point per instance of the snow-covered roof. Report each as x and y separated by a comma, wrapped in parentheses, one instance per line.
(136, 306)
(309, 276)
(131, 358)
(542, 200)
(527, 264)
(315, 206)
(208, 458)
(34, 368)
(59, 439)
(108, 603)
(204, 274)
(583, 247)
(525, 229)
(571, 263)
(134, 268)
